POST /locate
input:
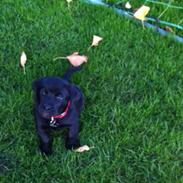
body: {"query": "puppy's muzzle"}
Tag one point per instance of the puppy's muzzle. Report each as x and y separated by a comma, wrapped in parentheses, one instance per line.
(46, 110)
(47, 107)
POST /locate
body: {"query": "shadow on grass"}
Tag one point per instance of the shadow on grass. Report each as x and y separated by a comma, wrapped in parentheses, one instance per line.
(7, 162)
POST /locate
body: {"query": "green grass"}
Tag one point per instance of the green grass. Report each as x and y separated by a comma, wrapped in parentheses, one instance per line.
(159, 11)
(133, 87)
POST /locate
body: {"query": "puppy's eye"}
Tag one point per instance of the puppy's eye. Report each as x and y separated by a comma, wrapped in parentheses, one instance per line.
(59, 97)
(44, 92)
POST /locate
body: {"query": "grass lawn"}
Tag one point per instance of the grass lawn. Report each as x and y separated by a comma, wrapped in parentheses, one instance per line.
(165, 10)
(133, 87)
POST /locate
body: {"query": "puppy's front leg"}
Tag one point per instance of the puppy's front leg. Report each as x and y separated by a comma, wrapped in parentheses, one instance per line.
(72, 141)
(45, 141)
(43, 131)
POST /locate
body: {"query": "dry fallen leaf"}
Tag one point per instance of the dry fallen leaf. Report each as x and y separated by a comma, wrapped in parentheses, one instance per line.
(69, 1)
(169, 29)
(23, 60)
(128, 5)
(75, 59)
(142, 12)
(82, 149)
(96, 40)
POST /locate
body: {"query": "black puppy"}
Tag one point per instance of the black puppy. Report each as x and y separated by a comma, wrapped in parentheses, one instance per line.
(58, 103)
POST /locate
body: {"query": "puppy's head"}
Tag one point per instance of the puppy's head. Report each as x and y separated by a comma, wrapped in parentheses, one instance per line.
(51, 95)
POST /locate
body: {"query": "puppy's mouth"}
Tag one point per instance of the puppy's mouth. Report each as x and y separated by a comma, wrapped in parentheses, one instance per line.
(53, 113)
(47, 114)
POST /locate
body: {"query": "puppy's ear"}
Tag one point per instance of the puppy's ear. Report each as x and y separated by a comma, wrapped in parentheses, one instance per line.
(76, 96)
(36, 86)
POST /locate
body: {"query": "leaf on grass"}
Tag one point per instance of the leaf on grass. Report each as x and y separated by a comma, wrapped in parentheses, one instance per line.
(128, 5)
(69, 1)
(96, 40)
(82, 149)
(169, 29)
(76, 60)
(23, 59)
(142, 12)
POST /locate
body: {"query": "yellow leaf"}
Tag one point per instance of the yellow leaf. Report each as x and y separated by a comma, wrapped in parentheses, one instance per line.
(169, 29)
(69, 1)
(23, 59)
(82, 149)
(96, 40)
(128, 5)
(142, 12)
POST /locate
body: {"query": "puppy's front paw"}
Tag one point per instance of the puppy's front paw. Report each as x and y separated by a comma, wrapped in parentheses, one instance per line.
(72, 143)
(45, 150)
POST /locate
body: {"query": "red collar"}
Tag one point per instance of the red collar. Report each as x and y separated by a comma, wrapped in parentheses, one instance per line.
(60, 116)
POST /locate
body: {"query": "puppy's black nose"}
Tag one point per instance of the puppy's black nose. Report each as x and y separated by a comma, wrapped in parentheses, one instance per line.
(47, 107)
